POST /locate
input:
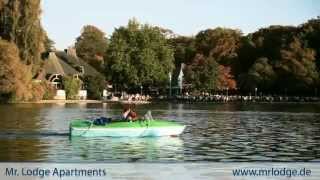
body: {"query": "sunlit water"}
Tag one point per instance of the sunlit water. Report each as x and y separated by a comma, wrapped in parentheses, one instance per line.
(215, 132)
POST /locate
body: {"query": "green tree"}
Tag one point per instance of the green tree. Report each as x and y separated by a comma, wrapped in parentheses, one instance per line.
(184, 52)
(297, 67)
(94, 86)
(247, 54)
(263, 74)
(138, 55)
(71, 86)
(278, 58)
(91, 46)
(310, 34)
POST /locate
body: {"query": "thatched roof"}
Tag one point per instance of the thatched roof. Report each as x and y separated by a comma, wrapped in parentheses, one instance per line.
(76, 62)
(54, 65)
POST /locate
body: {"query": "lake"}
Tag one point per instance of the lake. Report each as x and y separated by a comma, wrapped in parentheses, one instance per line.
(229, 132)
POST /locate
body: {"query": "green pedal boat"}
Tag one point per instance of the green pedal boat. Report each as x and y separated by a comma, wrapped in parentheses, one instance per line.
(138, 128)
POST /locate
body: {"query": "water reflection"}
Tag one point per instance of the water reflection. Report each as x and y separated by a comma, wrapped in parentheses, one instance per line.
(17, 118)
(20, 116)
(215, 132)
(251, 136)
(128, 149)
(22, 149)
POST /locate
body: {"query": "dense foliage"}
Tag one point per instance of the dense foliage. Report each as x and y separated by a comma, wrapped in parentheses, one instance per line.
(23, 42)
(275, 60)
(91, 46)
(20, 23)
(272, 60)
(71, 86)
(94, 86)
(15, 81)
(210, 58)
(280, 60)
(138, 55)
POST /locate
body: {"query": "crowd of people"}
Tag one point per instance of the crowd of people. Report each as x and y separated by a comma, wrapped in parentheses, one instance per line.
(135, 97)
(207, 97)
(241, 98)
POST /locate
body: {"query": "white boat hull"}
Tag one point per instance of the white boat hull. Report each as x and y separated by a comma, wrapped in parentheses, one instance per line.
(127, 132)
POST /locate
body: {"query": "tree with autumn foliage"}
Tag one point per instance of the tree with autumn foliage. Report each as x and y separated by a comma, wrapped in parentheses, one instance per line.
(279, 59)
(22, 41)
(15, 81)
(209, 57)
(225, 78)
(220, 44)
(202, 73)
(20, 23)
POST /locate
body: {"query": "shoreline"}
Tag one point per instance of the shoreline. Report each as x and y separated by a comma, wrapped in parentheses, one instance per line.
(60, 101)
(80, 102)
(160, 101)
(215, 99)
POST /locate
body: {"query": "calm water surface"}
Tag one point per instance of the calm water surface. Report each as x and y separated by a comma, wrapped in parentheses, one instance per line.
(215, 132)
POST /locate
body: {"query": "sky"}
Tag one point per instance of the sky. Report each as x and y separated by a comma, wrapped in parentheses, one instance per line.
(64, 19)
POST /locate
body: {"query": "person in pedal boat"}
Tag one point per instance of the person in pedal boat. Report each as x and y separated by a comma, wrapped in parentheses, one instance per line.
(129, 114)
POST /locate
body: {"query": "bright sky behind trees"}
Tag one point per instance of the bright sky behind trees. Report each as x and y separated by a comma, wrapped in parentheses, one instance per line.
(63, 20)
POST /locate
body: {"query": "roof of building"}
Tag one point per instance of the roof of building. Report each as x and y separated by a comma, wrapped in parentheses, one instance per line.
(76, 62)
(55, 65)
(67, 63)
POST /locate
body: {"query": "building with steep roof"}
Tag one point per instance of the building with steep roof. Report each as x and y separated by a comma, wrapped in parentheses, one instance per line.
(65, 63)
(55, 68)
(69, 56)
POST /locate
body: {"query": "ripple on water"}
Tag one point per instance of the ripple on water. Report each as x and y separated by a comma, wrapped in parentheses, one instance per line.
(215, 132)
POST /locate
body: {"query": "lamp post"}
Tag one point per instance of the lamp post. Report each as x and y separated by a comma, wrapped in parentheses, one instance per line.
(227, 93)
(255, 92)
(141, 87)
(170, 79)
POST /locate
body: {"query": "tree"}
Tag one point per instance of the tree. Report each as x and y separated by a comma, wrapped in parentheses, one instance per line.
(310, 34)
(225, 78)
(21, 24)
(263, 74)
(297, 67)
(91, 46)
(268, 41)
(184, 52)
(279, 58)
(94, 86)
(2, 3)
(139, 55)
(15, 81)
(219, 43)
(202, 73)
(48, 44)
(247, 54)
(71, 86)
